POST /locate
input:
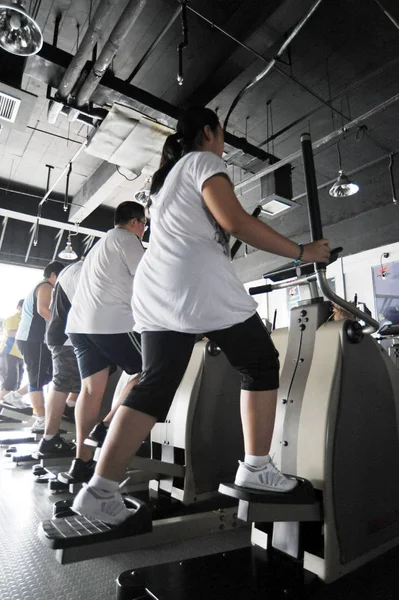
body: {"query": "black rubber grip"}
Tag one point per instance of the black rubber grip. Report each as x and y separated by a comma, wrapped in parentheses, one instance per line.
(260, 289)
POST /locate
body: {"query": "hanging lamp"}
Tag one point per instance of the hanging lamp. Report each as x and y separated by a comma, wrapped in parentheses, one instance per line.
(68, 253)
(343, 186)
(19, 33)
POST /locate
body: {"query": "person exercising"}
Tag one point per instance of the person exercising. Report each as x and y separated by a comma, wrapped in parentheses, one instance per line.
(12, 362)
(66, 376)
(185, 285)
(30, 340)
(100, 326)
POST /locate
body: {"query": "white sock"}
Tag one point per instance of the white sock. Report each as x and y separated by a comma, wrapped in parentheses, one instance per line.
(18, 395)
(48, 437)
(104, 484)
(256, 461)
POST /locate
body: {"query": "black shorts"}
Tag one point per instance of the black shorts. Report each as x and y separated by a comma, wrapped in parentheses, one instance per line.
(12, 369)
(97, 351)
(37, 359)
(166, 355)
(66, 376)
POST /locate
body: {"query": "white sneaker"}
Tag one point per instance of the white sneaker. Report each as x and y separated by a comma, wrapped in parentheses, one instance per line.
(267, 478)
(38, 425)
(14, 400)
(94, 502)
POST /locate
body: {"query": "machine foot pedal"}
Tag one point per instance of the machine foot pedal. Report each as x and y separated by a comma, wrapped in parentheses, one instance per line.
(20, 440)
(23, 458)
(301, 504)
(9, 420)
(22, 411)
(55, 486)
(76, 530)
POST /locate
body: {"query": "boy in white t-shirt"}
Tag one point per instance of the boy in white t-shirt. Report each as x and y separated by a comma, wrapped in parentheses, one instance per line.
(100, 325)
(186, 285)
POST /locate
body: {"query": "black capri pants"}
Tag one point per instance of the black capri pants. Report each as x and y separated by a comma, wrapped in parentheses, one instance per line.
(166, 355)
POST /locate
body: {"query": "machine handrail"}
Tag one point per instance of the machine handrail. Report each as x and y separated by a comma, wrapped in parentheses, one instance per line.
(316, 232)
(371, 324)
(270, 287)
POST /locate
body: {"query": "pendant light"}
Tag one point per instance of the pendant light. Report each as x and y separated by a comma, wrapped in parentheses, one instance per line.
(19, 33)
(343, 186)
(68, 253)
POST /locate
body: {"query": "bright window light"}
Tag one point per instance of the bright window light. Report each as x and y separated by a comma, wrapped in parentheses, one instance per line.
(16, 283)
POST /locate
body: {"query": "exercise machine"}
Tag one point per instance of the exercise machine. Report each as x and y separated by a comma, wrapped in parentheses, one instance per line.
(336, 430)
(192, 451)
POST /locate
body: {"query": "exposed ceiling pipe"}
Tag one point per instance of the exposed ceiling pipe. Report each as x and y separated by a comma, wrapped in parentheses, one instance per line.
(96, 26)
(325, 140)
(388, 14)
(271, 64)
(118, 34)
(266, 60)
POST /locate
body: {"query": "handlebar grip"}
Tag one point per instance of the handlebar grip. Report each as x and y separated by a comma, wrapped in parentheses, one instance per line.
(260, 289)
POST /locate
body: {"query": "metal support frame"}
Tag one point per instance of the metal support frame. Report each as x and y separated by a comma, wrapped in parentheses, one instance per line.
(164, 531)
(388, 14)
(39, 67)
(271, 64)
(3, 230)
(184, 43)
(34, 231)
(58, 237)
(63, 172)
(321, 142)
(154, 44)
(276, 67)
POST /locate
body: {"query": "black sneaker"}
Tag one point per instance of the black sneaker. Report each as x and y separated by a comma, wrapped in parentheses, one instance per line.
(80, 472)
(57, 446)
(97, 435)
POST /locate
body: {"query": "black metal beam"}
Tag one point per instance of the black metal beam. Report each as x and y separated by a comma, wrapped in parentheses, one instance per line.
(46, 65)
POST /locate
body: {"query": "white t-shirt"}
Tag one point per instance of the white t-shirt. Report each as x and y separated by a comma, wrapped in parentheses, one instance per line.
(186, 281)
(102, 301)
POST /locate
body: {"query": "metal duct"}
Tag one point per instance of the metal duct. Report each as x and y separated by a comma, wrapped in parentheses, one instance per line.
(119, 33)
(78, 62)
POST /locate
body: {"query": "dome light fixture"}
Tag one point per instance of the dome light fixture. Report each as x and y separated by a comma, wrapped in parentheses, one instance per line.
(343, 186)
(142, 196)
(68, 253)
(19, 33)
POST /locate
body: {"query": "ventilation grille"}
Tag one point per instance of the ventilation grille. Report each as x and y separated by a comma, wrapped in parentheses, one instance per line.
(9, 107)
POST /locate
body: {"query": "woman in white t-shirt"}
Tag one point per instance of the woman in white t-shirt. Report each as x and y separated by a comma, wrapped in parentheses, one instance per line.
(186, 285)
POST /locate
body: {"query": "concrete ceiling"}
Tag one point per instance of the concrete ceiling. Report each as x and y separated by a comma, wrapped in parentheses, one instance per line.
(342, 44)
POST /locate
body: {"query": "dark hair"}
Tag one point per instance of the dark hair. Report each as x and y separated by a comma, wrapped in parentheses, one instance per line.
(127, 211)
(20, 303)
(188, 137)
(54, 267)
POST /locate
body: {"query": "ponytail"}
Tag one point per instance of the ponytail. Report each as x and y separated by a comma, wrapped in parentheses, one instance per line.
(188, 138)
(171, 153)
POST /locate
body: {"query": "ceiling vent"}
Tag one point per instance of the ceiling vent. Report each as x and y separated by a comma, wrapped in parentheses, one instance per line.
(9, 107)
(16, 107)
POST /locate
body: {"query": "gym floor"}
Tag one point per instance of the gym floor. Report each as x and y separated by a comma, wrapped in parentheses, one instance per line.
(29, 571)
